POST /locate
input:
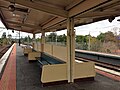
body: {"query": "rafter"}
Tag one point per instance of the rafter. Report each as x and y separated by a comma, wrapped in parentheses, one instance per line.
(39, 6)
(22, 24)
(85, 6)
(3, 19)
(98, 14)
(113, 4)
(23, 30)
(73, 4)
(49, 20)
(53, 22)
(37, 31)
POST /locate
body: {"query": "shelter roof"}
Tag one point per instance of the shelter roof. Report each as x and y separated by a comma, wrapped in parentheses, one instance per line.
(33, 16)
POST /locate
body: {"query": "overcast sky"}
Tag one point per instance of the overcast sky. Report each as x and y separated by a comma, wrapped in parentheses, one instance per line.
(94, 29)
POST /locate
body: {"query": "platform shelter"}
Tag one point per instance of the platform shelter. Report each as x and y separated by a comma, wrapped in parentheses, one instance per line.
(41, 16)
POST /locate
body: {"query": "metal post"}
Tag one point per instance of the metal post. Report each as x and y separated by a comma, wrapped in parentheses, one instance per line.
(19, 38)
(33, 41)
(56, 39)
(89, 42)
(28, 40)
(42, 41)
(70, 49)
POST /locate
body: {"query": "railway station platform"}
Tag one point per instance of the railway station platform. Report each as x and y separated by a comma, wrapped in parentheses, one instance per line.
(20, 74)
(42, 16)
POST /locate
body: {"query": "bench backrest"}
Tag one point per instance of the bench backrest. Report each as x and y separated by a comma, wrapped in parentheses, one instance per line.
(56, 51)
(51, 59)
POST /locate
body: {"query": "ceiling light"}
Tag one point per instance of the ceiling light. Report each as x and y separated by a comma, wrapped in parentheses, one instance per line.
(118, 20)
(11, 8)
(14, 14)
(111, 19)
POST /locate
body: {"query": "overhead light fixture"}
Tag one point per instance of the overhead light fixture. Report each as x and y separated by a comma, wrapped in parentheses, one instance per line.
(118, 20)
(111, 19)
(11, 8)
(12, 31)
(31, 0)
(14, 14)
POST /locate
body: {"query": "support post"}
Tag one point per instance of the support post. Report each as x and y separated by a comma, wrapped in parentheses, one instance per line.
(33, 41)
(19, 39)
(70, 49)
(42, 41)
(89, 42)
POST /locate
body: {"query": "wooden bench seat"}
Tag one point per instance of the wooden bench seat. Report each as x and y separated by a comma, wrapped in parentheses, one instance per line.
(49, 63)
(44, 62)
(46, 59)
(27, 50)
(32, 55)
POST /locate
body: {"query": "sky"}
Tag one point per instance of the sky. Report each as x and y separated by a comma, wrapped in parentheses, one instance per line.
(15, 34)
(98, 27)
(94, 29)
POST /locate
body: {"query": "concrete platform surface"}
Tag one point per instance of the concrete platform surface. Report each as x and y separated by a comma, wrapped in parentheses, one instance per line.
(28, 78)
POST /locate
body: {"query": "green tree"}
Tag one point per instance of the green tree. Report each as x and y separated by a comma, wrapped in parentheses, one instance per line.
(109, 36)
(25, 39)
(95, 44)
(82, 42)
(4, 35)
(101, 37)
(81, 39)
(38, 40)
(1, 41)
(51, 37)
(61, 38)
(106, 37)
(109, 42)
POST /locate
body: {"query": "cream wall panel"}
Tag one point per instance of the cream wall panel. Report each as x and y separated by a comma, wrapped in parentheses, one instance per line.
(27, 50)
(48, 49)
(36, 46)
(84, 70)
(52, 73)
(60, 52)
(32, 55)
(39, 47)
(58, 72)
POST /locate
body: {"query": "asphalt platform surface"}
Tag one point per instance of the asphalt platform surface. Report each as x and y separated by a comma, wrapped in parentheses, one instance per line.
(28, 78)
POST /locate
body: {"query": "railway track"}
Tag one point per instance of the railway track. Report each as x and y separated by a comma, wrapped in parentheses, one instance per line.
(4, 54)
(102, 64)
(107, 67)
(3, 50)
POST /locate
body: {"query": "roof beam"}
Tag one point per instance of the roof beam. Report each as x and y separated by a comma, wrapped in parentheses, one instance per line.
(53, 22)
(73, 4)
(37, 31)
(26, 25)
(85, 6)
(98, 14)
(23, 30)
(49, 20)
(113, 4)
(2, 19)
(42, 7)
